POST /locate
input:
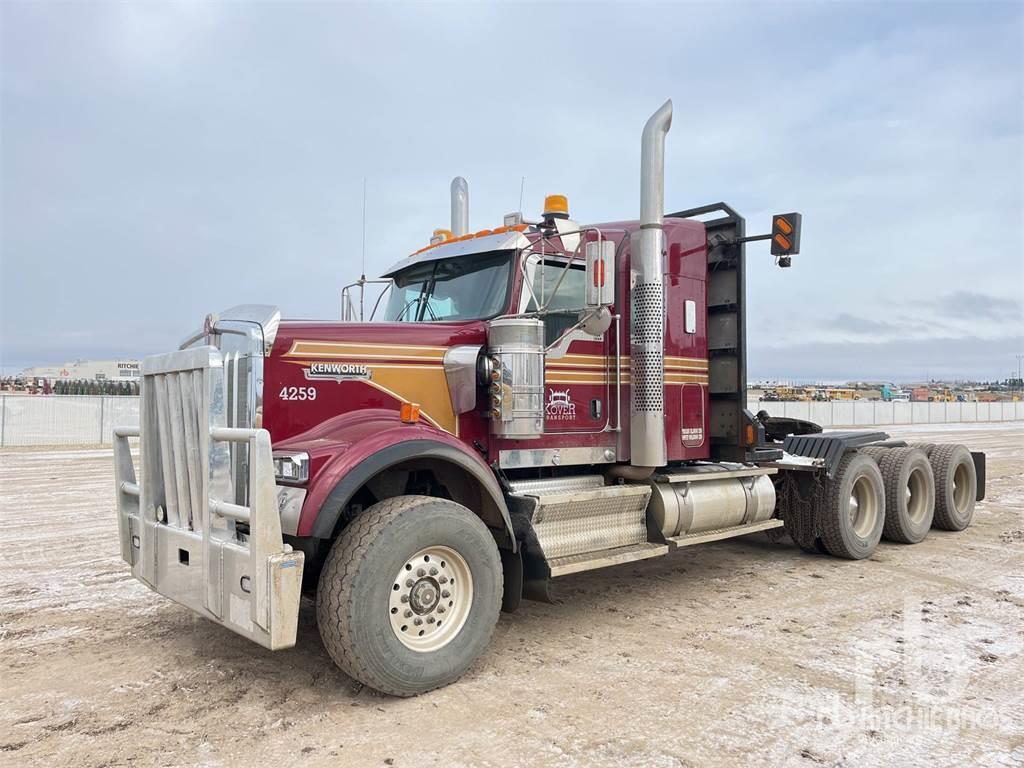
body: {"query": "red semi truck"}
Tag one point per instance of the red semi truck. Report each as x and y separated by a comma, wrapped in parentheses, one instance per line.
(520, 403)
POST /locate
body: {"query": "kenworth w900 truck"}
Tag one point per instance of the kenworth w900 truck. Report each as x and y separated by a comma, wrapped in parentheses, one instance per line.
(519, 403)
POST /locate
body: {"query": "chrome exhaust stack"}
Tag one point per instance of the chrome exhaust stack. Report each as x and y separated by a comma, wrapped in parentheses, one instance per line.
(647, 332)
(460, 207)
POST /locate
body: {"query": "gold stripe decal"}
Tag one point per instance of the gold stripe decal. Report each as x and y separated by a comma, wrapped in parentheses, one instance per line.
(605, 363)
(421, 379)
(415, 373)
(365, 351)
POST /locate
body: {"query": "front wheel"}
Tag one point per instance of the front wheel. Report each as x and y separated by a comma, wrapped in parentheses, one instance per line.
(409, 595)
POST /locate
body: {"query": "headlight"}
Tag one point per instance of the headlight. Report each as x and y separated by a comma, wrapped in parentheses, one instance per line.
(291, 468)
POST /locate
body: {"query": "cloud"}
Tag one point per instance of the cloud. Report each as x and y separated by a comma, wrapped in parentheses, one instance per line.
(162, 161)
(854, 324)
(867, 326)
(901, 359)
(970, 305)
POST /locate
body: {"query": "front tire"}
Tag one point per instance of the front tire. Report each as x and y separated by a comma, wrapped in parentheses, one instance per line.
(409, 595)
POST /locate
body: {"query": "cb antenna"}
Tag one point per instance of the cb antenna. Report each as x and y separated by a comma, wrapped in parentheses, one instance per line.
(522, 188)
(363, 262)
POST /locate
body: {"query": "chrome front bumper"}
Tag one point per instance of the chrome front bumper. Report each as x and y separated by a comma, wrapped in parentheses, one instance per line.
(186, 528)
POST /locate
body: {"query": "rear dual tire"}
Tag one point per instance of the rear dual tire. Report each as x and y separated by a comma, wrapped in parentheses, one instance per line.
(852, 508)
(956, 486)
(909, 493)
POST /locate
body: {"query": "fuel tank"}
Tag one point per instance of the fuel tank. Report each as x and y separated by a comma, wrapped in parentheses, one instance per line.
(709, 498)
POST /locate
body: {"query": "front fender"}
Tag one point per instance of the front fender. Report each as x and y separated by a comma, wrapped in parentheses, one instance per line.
(348, 451)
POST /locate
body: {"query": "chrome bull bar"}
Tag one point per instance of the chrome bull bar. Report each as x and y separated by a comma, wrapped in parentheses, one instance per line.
(181, 527)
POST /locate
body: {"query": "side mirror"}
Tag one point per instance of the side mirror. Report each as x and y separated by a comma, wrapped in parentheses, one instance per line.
(600, 273)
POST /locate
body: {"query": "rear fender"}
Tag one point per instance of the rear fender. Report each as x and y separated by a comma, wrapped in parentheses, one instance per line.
(353, 449)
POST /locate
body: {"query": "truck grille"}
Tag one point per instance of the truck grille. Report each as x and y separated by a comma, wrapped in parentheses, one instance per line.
(174, 424)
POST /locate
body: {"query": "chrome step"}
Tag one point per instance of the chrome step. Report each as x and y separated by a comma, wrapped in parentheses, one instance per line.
(550, 485)
(582, 516)
(562, 566)
(721, 533)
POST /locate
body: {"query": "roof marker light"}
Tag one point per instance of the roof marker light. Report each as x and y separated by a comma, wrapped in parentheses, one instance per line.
(440, 236)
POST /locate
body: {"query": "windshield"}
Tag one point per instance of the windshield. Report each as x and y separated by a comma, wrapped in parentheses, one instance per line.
(472, 287)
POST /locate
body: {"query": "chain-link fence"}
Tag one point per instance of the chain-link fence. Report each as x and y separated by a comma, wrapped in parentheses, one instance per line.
(64, 419)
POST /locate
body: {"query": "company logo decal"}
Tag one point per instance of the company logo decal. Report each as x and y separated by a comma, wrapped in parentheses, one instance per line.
(560, 406)
(338, 371)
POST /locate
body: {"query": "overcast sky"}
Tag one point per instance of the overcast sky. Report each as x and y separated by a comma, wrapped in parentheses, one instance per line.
(162, 161)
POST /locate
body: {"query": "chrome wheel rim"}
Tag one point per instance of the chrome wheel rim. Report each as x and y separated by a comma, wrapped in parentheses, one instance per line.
(916, 494)
(863, 507)
(961, 488)
(430, 599)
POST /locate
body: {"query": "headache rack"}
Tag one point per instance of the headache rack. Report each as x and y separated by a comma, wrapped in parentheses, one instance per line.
(191, 526)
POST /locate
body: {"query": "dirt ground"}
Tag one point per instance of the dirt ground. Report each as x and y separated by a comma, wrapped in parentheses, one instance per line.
(721, 654)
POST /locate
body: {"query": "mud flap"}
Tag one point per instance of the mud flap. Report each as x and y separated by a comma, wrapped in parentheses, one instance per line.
(979, 470)
(512, 568)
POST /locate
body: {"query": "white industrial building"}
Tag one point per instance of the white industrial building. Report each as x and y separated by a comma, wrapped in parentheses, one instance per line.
(89, 370)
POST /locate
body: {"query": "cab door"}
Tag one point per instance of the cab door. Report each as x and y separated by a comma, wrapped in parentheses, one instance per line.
(579, 367)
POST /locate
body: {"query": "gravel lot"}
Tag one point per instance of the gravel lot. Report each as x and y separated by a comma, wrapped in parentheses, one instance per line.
(726, 653)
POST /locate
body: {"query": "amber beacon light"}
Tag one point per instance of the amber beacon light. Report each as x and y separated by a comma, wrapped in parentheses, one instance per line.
(556, 206)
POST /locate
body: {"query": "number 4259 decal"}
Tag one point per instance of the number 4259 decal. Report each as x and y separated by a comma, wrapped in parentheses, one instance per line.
(298, 393)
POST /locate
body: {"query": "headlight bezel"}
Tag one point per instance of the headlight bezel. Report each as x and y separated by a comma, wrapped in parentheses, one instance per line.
(291, 467)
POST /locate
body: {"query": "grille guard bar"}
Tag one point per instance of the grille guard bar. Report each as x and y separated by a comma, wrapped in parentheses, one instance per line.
(180, 527)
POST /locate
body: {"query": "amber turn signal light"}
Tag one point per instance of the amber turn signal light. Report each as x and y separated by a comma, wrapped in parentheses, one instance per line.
(786, 234)
(410, 413)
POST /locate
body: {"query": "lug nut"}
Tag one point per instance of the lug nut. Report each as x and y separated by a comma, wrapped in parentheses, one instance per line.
(417, 621)
(433, 571)
(420, 572)
(441, 609)
(446, 593)
(430, 620)
(408, 613)
(443, 580)
(409, 582)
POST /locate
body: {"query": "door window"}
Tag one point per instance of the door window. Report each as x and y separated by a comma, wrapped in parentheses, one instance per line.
(565, 303)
